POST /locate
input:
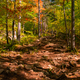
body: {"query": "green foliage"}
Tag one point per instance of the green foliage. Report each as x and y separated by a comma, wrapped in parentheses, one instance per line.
(28, 38)
(51, 15)
(28, 26)
(75, 51)
(11, 45)
(2, 46)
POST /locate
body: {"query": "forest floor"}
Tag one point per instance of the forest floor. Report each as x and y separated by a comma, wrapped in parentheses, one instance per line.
(45, 59)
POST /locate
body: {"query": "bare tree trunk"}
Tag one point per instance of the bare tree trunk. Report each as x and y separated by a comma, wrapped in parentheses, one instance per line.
(7, 22)
(34, 28)
(69, 40)
(13, 30)
(41, 26)
(45, 25)
(39, 18)
(19, 29)
(65, 25)
(72, 28)
(15, 36)
(13, 21)
(19, 26)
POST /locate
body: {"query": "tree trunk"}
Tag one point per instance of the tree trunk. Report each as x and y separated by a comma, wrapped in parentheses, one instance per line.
(39, 18)
(65, 25)
(7, 22)
(13, 21)
(15, 37)
(72, 28)
(13, 30)
(19, 29)
(19, 25)
(69, 40)
(41, 26)
(34, 28)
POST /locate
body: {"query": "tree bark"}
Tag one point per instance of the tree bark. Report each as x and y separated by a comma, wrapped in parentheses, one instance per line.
(39, 18)
(13, 29)
(65, 25)
(19, 29)
(41, 26)
(34, 28)
(13, 21)
(72, 28)
(19, 25)
(7, 22)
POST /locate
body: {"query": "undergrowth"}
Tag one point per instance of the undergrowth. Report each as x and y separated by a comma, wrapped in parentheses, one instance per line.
(25, 40)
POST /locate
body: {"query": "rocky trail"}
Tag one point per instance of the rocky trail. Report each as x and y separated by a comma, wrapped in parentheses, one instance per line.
(45, 59)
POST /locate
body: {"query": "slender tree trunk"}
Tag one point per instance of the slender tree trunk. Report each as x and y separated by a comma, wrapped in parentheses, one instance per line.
(34, 28)
(39, 18)
(19, 29)
(15, 36)
(13, 21)
(65, 24)
(19, 25)
(7, 22)
(69, 40)
(41, 26)
(72, 28)
(13, 30)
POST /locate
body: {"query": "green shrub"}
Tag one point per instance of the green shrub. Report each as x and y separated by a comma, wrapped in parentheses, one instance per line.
(29, 38)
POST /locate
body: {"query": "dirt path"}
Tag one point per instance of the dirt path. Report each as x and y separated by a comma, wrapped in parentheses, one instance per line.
(45, 59)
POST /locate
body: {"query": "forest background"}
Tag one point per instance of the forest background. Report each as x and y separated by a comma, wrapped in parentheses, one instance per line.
(23, 21)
